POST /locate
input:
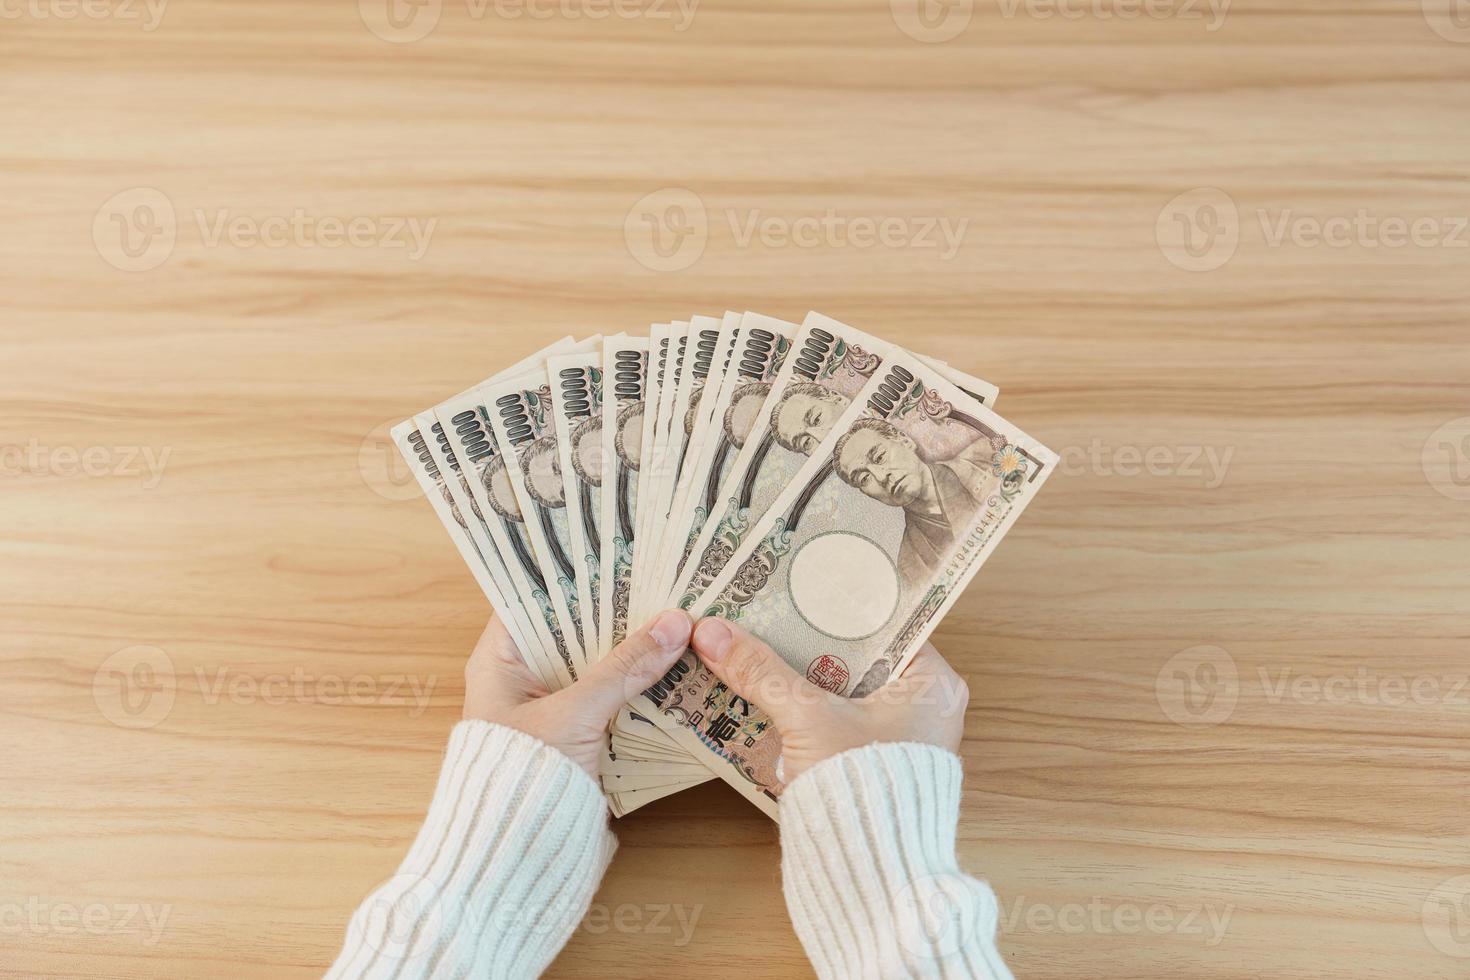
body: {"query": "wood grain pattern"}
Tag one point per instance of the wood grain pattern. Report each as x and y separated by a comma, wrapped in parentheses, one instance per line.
(1324, 832)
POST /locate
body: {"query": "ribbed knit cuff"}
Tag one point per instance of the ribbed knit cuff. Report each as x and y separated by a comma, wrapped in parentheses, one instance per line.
(514, 845)
(870, 873)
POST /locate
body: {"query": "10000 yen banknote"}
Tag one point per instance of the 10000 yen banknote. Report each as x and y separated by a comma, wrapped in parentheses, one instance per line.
(665, 356)
(759, 348)
(710, 344)
(518, 619)
(436, 467)
(663, 455)
(464, 422)
(521, 418)
(816, 383)
(624, 373)
(415, 440)
(828, 490)
(874, 538)
(576, 403)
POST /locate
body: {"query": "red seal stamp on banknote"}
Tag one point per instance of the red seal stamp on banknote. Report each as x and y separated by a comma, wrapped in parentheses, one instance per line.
(828, 672)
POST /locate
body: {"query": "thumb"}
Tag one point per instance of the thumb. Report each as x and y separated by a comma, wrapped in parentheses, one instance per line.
(631, 668)
(754, 671)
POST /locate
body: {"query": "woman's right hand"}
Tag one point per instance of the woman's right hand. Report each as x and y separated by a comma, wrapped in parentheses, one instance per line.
(926, 704)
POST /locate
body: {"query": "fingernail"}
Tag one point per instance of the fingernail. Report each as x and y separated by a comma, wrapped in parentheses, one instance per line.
(712, 639)
(670, 630)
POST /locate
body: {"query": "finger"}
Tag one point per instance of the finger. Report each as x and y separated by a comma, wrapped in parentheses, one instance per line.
(497, 668)
(928, 662)
(929, 677)
(754, 671)
(631, 668)
(496, 644)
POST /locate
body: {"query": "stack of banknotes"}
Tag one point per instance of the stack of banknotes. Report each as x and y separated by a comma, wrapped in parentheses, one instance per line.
(832, 492)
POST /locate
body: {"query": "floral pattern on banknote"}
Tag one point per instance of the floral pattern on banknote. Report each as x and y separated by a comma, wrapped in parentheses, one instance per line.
(569, 589)
(622, 587)
(751, 578)
(1010, 466)
(727, 537)
(538, 403)
(932, 403)
(854, 357)
(700, 515)
(553, 625)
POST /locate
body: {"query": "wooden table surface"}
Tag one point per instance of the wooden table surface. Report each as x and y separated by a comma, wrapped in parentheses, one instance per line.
(1221, 722)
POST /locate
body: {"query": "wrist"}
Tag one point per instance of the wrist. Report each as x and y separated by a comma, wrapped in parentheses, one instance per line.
(878, 755)
(584, 759)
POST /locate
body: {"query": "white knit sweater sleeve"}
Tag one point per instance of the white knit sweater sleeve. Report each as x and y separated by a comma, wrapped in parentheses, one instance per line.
(503, 870)
(870, 873)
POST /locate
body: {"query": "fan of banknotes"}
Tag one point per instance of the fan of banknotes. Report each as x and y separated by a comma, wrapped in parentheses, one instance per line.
(831, 491)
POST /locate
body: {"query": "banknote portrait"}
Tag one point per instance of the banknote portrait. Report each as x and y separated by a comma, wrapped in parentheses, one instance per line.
(541, 466)
(541, 472)
(805, 414)
(628, 434)
(938, 497)
(745, 406)
(587, 465)
(499, 491)
(691, 414)
(587, 457)
(502, 499)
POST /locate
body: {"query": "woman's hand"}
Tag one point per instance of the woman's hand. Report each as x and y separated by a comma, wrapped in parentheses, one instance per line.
(926, 704)
(499, 687)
